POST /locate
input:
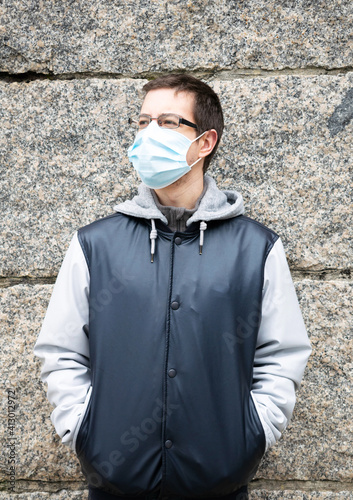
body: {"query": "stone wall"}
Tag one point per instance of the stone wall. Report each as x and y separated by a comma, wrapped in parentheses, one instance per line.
(70, 76)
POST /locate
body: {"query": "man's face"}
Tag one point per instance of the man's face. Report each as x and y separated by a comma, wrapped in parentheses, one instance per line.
(162, 101)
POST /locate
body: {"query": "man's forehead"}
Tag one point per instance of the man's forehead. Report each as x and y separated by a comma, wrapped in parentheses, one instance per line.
(175, 92)
(168, 100)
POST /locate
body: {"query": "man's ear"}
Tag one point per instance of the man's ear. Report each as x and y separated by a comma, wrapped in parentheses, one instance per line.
(209, 142)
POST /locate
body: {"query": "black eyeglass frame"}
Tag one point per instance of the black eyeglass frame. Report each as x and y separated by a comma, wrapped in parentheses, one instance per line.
(182, 121)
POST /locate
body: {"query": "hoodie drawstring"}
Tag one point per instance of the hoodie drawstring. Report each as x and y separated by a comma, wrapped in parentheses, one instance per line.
(203, 227)
(153, 237)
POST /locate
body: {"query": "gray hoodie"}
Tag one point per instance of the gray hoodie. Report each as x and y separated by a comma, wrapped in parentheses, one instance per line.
(213, 205)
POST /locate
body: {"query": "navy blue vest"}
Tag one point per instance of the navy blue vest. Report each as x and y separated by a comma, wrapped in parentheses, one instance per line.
(172, 348)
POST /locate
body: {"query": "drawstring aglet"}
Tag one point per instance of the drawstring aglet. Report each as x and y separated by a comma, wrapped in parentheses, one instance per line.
(203, 227)
(153, 237)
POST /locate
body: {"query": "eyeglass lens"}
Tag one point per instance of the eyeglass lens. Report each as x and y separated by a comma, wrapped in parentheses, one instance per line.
(164, 121)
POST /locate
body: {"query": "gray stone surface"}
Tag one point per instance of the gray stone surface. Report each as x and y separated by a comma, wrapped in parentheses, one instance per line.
(64, 494)
(316, 447)
(129, 37)
(294, 175)
(263, 494)
(300, 495)
(63, 153)
(318, 442)
(39, 454)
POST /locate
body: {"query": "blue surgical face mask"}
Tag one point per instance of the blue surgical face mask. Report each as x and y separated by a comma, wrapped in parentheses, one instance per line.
(159, 155)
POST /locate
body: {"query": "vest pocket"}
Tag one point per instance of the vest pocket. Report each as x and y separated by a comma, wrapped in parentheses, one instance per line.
(82, 426)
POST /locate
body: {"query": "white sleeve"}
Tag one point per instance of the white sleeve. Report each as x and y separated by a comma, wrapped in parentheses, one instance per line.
(282, 348)
(62, 345)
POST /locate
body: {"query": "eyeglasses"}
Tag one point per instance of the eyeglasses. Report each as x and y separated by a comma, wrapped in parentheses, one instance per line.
(166, 120)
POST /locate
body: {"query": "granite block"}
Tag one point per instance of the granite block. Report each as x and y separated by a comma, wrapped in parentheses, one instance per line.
(316, 446)
(318, 442)
(292, 162)
(29, 438)
(63, 150)
(297, 494)
(134, 37)
(256, 494)
(287, 147)
(64, 494)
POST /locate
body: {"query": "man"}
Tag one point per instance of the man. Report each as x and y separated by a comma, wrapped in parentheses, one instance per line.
(173, 342)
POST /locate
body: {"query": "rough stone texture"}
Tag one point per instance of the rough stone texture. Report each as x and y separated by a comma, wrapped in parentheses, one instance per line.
(121, 36)
(300, 495)
(64, 494)
(318, 442)
(39, 452)
(63, 147)
(254, 495)
(317, 445)
(294, 175)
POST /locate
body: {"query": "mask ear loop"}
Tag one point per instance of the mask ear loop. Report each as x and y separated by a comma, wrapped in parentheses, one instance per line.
(203, 133)
(195, 162)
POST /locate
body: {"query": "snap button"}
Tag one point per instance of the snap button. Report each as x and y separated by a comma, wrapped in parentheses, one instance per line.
(175, 305)
(168, 443)
(172, 372)
(177, 240)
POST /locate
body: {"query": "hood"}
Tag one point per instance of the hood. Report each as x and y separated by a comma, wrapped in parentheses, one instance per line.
(214, 205)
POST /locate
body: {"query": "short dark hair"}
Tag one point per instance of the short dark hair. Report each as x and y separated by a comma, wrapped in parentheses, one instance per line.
(207, 108)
